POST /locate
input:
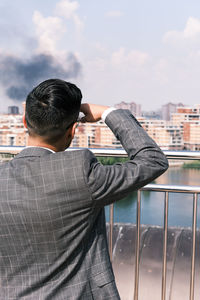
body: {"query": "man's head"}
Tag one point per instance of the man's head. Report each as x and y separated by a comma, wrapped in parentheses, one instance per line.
(51, 108)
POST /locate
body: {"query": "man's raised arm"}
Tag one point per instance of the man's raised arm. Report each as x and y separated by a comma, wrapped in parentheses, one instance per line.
(146, 160)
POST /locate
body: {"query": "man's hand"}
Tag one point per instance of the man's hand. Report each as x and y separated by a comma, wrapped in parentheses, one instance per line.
(92, 112)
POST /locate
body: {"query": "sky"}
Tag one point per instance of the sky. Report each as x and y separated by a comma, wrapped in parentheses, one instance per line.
(114, 50)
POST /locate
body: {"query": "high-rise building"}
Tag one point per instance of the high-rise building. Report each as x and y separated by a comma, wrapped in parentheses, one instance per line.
(13, 110)
(168, 109)
(189, 119)
(132, 106)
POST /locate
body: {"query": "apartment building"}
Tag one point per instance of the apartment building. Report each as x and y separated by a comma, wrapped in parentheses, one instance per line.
(189, 120)
(166, 135)
(191, 135)
(95, 135)
(186, 114)
(12, 131)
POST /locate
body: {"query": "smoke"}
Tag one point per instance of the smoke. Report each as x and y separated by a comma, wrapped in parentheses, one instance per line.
(17, 93)
(19, 76)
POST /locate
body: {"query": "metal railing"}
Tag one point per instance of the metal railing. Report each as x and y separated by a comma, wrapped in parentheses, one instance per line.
(181, 155)
(166, 189)
(177, 155)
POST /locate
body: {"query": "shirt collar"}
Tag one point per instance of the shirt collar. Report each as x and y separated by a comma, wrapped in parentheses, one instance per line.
(40, 147)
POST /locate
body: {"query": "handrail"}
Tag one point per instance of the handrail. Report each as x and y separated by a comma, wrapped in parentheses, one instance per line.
(183, 155)
(190, 155)
(172, 188)
(195, 190)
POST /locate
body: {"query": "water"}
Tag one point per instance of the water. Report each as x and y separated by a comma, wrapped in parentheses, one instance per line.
(152, 204)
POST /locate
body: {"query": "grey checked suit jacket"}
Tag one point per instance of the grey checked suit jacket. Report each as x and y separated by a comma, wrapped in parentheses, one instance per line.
(52, 225)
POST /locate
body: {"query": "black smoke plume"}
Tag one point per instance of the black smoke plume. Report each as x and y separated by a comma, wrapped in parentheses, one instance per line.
(20, 76)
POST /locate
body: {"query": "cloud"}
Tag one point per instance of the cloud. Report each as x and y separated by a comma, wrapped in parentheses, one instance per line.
(68, 10)
(114, 14)
(190, 33)
(48, 31)
(123, 58)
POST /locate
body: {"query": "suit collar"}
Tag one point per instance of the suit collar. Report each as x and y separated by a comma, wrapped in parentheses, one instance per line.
(33, 151)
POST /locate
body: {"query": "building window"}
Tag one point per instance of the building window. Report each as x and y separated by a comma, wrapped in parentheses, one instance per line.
(11, 140)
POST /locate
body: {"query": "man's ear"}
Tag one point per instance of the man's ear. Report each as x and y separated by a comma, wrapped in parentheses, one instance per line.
(71, 131)
(24, 120)
(74, 129)
(24, 109)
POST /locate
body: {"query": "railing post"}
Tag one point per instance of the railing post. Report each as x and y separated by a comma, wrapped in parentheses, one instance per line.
(137, 246)
(194, 221)
(111, 231)
(164, 266)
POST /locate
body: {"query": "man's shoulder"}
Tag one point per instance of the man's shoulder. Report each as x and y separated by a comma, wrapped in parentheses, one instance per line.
(69, 159)
(72, 157)
(72, 153)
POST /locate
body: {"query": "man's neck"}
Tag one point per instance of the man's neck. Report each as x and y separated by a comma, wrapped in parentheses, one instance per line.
(35, 142)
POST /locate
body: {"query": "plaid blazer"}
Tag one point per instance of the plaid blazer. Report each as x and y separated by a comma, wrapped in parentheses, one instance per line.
(52, 224)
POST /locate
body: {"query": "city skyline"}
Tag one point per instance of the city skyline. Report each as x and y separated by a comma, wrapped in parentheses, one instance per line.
(162, 112)
(146, 52)
(178, 130)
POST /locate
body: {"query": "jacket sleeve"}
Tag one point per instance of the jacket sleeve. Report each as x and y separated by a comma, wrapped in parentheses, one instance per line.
(146, 162)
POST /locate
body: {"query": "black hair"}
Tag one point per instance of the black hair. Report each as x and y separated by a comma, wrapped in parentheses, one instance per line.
(51, 108)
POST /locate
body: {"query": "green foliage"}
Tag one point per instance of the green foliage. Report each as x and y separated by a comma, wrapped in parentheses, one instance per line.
(111, 160)
(6, 157)
(192, 165)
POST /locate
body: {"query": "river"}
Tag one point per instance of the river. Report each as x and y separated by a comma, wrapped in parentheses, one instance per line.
(152, 204)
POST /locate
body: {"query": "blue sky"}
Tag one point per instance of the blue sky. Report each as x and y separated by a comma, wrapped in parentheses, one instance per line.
(114, 50)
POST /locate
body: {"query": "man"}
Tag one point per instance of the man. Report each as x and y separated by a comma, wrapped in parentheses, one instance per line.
(52, 225)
